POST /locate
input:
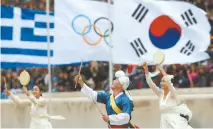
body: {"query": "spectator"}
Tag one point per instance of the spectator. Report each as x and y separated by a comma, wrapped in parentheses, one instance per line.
(68, 82)
(183, 81)
(3, 95)
(95, 74)
(55, 86)
(200, 4)
(209, 73)
(16, 88)
(192, 75)
(202, 80)
(210, 51)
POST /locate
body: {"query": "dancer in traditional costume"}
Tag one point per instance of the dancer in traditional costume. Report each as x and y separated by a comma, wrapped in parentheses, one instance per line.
(174, 113)
(39, 116)
(119, 104)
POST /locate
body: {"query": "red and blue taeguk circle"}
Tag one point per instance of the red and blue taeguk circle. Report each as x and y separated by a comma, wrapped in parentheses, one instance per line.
(164, 33)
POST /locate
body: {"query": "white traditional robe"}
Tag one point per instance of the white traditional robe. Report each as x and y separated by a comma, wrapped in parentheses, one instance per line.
(39, 116)
(170, 107)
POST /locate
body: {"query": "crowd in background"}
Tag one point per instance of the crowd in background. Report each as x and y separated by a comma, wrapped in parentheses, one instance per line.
(30, 4)
(96, 74)
(206, 5)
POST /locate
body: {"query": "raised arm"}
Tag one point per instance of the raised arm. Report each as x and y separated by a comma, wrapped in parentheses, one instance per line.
(161, 70)
(149, 81)
(86, 90)
(89, 92)
(167, 79)
(16, 99)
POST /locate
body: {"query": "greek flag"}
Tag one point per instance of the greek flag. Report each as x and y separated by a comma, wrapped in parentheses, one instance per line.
(24, 37)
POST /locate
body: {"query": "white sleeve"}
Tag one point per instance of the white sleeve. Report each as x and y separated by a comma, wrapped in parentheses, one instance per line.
(89, 92)
(119, 119)
(172, 89)
(152, 85)
(17, 100)
(40, 101)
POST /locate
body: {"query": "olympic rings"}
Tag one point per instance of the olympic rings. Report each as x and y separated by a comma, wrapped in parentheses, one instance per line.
(78, 16)
(97, 30)
(112, 27)
(84, 38)
(106, 40)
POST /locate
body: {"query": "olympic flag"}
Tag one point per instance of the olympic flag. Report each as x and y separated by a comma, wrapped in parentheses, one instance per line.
(179, 29)
(81, 31)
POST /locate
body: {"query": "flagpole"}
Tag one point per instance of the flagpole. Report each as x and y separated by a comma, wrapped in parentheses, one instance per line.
(110, 48)
(48, 47)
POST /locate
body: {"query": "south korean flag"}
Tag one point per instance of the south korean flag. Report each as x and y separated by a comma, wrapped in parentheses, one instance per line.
(179, 29)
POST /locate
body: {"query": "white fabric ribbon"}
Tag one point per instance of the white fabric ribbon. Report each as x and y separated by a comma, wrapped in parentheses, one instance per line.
(57, 117)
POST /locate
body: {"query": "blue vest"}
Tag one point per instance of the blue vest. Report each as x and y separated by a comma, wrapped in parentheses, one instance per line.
(122, 101)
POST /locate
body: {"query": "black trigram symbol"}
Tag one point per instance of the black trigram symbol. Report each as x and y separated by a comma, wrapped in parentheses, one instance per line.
(188, 48)
(138, 47)
(140, 12)
(189, 18)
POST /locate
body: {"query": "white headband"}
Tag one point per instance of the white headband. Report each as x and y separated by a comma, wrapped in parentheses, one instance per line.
(124, 80)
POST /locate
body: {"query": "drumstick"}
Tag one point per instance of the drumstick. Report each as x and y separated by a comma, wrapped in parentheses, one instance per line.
(79, 72)
(5, 83)
(92, 99)
(100, 112)
(97, 107)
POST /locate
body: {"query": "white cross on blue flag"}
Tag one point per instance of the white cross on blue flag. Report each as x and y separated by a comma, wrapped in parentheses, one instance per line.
(24, 37)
